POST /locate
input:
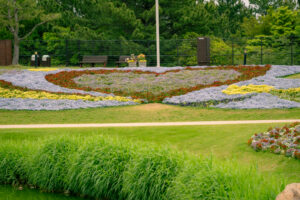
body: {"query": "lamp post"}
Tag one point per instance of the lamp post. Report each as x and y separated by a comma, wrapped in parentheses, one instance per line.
(157, 34)
(245, 56)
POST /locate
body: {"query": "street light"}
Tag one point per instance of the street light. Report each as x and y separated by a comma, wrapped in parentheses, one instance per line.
(157, 34)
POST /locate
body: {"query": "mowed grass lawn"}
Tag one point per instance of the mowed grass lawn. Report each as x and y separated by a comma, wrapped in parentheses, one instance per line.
(142, 113)
(222, 141)
(294, 76)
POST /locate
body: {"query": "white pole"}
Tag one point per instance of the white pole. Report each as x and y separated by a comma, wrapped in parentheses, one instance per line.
(157, 34)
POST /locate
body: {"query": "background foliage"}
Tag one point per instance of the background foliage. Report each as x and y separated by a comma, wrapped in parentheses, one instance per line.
(119, 27)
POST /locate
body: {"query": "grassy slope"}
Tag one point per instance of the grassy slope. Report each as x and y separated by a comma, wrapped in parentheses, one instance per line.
(294, 76)
(142, 113)
(225, 142)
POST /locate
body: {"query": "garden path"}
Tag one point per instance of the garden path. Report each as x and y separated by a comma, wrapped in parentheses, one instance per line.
(196, 123)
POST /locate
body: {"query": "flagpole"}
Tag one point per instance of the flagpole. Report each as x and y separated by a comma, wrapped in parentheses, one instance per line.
(157, 34)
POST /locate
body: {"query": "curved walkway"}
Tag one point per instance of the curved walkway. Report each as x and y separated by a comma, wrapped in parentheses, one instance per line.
(199, 123)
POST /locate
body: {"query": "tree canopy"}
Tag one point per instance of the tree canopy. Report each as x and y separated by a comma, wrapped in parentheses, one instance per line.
(127, 20)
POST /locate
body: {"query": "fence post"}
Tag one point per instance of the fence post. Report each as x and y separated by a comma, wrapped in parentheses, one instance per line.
(177, 52)
(232, 51)
(78, 50)
(67, 52)
(292, 52)
(261, 51)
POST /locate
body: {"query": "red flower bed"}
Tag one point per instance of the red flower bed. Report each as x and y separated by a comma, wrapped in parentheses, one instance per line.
(65, 79)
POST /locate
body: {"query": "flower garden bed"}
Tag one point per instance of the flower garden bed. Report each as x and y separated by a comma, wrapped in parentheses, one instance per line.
(19, 98)
(284, 95)
(174, 82)
(285, 141)
(238, 87)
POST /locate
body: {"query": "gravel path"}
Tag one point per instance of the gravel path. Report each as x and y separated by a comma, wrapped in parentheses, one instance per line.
(151, 124)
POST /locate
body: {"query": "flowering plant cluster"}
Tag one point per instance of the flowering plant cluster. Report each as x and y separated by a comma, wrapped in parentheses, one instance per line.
(66, 79)
(131, 59)
(141, 58)
(285, 141)
(245, 89)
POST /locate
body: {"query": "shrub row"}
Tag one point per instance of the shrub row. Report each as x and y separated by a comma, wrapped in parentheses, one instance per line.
(106, 168)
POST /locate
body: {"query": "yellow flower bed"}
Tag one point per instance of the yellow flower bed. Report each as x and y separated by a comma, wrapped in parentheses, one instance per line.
(42, 69)
(6, 93)
(245, 89)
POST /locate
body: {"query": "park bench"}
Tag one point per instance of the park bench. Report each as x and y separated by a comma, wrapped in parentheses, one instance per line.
(93, 60)
(122, 59)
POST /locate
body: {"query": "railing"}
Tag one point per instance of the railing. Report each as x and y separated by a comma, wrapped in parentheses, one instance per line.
(260, 50)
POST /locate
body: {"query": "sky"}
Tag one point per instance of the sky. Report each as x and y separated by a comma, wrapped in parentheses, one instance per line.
(246, 2)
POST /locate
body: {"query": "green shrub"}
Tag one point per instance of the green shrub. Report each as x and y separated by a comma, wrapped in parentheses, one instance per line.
(10, 163)
(150, 173)
(97, 168)
(207, 179)
(49, 166)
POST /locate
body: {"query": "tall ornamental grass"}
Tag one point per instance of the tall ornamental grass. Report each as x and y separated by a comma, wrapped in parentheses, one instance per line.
(107, 168)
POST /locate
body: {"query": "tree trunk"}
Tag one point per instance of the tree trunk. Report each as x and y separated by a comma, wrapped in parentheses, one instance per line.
(16, 51)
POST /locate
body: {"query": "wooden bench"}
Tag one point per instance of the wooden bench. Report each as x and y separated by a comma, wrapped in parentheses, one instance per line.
(122, 59)
(93, 60)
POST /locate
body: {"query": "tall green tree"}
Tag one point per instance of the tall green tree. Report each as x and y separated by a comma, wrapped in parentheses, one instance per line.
(283, 22)
(261, 7)
(15, 13)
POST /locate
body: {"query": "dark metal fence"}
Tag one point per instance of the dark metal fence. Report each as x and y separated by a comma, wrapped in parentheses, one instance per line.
(260, 50)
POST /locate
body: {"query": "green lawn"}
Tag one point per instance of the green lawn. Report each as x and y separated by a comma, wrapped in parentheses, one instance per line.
(142, 113)
(223, 141)
(294, 76)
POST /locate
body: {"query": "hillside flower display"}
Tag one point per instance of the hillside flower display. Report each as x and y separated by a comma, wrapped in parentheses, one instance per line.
(154, 86)
(237, 87)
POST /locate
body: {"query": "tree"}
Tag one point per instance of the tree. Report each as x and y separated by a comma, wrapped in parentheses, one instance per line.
(14, 14)
(283, 22)
(262, 6)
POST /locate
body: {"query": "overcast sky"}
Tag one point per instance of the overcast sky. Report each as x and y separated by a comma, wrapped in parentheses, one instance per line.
(246, 2)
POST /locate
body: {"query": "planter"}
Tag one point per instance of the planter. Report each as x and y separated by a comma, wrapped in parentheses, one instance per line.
(132, 64)
(142, 64)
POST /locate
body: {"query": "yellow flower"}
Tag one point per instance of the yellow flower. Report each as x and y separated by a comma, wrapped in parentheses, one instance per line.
(245, 89)
(43, 69)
